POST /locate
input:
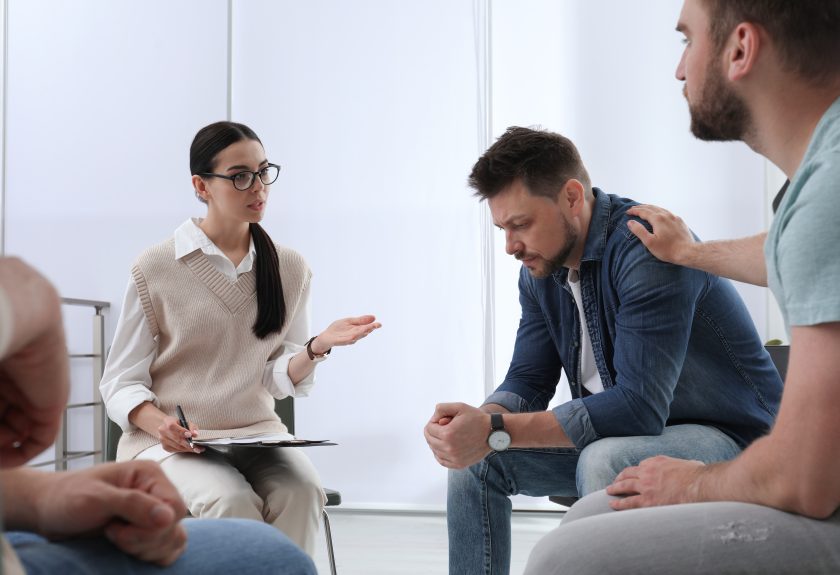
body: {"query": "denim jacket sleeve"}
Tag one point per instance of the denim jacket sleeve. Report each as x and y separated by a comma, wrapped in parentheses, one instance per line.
(654, 304)
(535, 369)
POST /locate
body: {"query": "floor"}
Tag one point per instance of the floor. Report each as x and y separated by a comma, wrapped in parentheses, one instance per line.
(390, 543)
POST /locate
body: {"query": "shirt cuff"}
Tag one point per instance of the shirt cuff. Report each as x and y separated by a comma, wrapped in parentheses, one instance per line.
(125, 400)
(508, 400)
(276, 379)
(573, 417)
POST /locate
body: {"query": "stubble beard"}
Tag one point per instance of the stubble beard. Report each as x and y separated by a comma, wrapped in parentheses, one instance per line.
(719, 115)
(559, 260)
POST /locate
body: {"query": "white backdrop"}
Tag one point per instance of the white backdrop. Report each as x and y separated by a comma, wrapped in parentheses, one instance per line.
(370, 108)
(373, 108)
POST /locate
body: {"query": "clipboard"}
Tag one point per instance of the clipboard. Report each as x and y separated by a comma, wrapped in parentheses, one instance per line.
(227, 448)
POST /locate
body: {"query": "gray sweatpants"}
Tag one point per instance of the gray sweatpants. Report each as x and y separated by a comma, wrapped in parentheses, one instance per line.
(710, 538)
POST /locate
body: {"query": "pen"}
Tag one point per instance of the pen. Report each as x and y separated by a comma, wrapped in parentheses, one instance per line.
(182, 420)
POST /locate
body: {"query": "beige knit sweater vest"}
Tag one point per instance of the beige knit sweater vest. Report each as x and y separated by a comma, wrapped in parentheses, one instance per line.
(208, 359)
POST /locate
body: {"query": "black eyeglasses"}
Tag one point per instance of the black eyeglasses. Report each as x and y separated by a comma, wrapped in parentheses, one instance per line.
(245, 179)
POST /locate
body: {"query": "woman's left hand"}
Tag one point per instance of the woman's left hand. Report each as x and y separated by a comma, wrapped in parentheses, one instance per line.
(345, 331)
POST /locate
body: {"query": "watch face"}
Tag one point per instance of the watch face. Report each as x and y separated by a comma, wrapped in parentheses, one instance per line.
(499, 440)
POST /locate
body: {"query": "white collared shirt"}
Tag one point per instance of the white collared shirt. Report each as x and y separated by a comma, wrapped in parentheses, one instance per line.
(127, 383)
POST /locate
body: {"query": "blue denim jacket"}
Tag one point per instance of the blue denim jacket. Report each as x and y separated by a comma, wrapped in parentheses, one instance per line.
(671, 344)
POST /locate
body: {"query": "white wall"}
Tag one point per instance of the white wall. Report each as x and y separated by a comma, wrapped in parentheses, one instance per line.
(375, 110)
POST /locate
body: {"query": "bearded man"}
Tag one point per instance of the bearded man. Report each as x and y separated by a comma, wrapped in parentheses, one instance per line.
(661, 359)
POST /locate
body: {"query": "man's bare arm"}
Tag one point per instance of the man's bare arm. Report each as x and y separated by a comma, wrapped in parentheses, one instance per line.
(671, 241)
(797, 467)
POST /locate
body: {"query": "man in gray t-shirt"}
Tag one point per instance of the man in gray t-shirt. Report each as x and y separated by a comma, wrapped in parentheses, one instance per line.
(765, 73)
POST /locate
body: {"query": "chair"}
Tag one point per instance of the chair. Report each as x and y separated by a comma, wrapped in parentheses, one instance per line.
(285, 408)
(778, 354)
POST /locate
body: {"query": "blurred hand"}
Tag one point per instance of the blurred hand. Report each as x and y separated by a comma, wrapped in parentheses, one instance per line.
(345, 331)
(132, 503)
(671, 240)
(457, 434)
(34, 373)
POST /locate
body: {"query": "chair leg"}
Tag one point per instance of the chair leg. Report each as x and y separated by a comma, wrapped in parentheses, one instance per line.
(328, 534)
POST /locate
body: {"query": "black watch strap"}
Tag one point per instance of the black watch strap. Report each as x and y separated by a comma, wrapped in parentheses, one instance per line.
(496, 422)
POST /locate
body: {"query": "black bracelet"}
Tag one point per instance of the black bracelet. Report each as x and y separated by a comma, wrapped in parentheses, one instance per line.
(311, 354)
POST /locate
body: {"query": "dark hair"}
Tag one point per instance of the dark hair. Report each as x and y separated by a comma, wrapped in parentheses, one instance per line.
(543, 160)
(806, 33)
(271, 305)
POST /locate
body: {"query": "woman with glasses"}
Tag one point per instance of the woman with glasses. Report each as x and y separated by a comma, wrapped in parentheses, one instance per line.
(216, 321)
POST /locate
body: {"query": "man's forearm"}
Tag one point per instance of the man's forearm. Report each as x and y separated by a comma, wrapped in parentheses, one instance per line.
(536, 429)
(764, 476)
(20, 488)
(741, 260)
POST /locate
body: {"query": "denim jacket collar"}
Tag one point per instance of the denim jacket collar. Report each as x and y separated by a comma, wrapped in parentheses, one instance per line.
(596, 235)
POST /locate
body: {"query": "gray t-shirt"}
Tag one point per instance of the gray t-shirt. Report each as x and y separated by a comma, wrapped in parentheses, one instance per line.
(803, 245)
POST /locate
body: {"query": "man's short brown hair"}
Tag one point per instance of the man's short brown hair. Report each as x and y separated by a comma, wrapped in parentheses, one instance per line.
(806, 33)
(542, 160)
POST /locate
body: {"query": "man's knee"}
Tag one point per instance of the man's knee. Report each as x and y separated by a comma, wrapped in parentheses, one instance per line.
(468, 476)
(599, 463)
(232, 541)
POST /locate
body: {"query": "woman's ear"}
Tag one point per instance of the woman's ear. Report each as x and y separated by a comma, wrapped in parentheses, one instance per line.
(200, 187)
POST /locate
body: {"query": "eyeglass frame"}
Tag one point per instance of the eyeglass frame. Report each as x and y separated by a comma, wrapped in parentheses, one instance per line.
(254, 176)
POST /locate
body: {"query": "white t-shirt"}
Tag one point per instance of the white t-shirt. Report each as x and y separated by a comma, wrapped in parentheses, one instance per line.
(589, 376)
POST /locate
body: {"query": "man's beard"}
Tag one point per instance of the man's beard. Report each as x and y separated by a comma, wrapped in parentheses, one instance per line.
(719, 115)
(559, 260)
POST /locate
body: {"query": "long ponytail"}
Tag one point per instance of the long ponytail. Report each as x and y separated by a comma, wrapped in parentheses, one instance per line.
(271, 305)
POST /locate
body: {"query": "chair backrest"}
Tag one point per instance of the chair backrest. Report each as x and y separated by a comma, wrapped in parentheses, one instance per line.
(285, 408)
(112, 438)
(779, 354)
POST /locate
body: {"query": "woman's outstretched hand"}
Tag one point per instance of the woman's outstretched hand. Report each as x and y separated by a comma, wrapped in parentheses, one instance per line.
(346, 331)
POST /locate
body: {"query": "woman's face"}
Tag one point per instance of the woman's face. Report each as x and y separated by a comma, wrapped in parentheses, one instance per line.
(223, 199)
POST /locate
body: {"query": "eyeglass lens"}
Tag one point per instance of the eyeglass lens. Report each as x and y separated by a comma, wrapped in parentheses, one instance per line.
(244, 180)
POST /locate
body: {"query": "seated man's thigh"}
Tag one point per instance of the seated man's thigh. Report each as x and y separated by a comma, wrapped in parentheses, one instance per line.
(602, 460)
(700, 538)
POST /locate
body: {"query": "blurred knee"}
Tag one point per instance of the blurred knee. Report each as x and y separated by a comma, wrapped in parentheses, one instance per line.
(599, 463)
(234, 542)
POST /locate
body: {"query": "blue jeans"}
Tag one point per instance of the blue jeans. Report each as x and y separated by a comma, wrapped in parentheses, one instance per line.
(478, 504)
(215, 546)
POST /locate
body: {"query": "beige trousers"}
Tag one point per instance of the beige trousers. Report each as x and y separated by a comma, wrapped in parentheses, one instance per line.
(279, 486)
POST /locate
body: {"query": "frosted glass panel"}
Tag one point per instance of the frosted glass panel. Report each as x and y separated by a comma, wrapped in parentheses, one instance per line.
(370, 106)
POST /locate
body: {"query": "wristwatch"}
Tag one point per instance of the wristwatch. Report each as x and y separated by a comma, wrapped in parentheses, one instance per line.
(316, 357)
(499, 439)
